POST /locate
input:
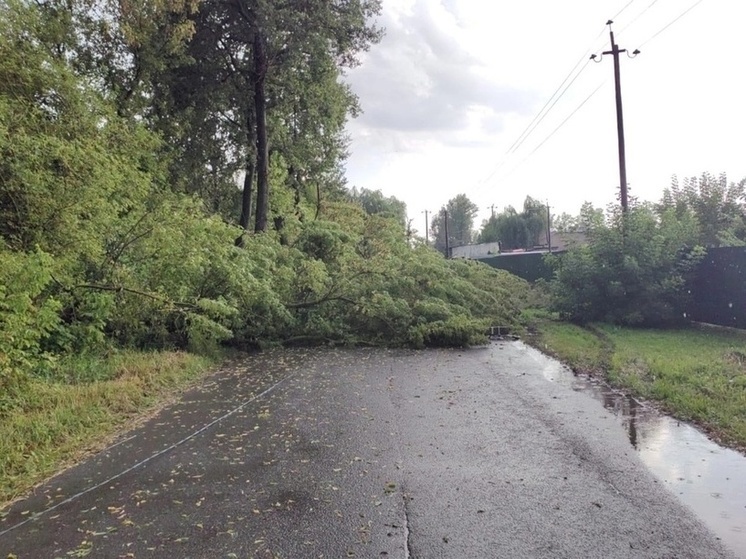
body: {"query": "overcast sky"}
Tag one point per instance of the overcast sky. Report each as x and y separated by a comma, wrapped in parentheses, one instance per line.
(454, 83)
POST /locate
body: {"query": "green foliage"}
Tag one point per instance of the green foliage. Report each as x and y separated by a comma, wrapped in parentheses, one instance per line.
(517, 230)
(323, 241)
(717, 206)
(588, 218)
(456, 331)
(634, 271)
(461, 212)
(374, 202)
(25, 318)
(368, 285)
(99, 250)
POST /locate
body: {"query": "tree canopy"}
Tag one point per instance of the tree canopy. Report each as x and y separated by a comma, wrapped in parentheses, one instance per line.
(516, 230)
(636, 268)
(461, 213)
(718, 206)
(131, 149)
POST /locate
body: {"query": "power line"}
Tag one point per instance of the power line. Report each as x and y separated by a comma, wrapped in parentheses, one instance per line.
(527, 131)
(620, 12)
(552, 105)
(553, 132)
(552, 101)
(638, 16)
(568, 118)
(669, 24)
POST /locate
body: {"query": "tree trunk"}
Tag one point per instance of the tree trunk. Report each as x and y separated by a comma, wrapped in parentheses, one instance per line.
(262, 148)
(248, 184)
(318, 201)
(296, 178)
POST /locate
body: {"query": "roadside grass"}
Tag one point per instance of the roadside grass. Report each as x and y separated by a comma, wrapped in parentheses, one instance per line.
(580, 348)
(697, 374)
(54, 423)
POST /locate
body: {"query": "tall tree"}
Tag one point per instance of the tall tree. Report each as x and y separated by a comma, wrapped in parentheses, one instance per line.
(565, 223)
(535, 216)
(282, 38)
(516, 230)
(489, 232)
(227, 83)
(461, 213)
(719, 207)
(375, 203)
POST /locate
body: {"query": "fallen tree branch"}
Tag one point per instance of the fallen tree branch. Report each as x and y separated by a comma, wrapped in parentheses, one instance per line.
(122, 289)
(321, 301)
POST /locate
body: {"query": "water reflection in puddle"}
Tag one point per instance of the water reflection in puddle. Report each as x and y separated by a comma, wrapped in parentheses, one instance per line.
(707, 477)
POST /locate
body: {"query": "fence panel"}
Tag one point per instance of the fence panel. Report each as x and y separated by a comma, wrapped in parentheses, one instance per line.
(719, 290)
(529, 266)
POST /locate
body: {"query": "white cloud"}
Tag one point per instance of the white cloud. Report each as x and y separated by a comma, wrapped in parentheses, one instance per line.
(421, 79)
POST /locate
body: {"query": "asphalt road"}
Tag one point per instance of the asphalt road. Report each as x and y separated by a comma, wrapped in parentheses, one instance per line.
(365, 453)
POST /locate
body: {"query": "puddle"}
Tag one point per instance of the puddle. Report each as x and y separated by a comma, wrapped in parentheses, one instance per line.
(708, 478)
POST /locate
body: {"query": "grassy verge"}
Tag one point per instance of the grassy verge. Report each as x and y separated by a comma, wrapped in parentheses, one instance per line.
(55, 423)
(696, 374)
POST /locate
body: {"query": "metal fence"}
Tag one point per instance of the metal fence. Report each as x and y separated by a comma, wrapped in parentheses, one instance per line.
(719, 289)
(527, 265)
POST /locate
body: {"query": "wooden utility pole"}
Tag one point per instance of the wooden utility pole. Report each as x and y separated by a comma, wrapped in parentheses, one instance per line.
(549, 227)
(427, 238)
(615, 52)
(445, 222)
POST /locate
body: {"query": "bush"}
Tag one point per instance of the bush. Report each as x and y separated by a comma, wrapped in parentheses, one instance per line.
(635, 271)
(26, 317)
(458, 331)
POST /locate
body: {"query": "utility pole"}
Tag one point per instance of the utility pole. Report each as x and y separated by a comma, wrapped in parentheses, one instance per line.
(427, 239)
(445, 221)
(492, 207)
(549, 227)
(615, 52)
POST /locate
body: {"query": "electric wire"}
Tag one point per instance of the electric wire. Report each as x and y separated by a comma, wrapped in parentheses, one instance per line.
(670, 23)
(550, 103)
(620, 12)
(527, 131)
(638, 16)
(572, 114)
(553, 132)
(572, 76)
(547, 106)
(588, 60)
(150, 458)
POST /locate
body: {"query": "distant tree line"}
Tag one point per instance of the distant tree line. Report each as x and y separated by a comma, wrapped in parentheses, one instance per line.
(635, 268)
(512, 229)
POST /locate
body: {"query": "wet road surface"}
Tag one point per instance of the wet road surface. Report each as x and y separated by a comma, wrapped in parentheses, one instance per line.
(366, 453)
(706, 477)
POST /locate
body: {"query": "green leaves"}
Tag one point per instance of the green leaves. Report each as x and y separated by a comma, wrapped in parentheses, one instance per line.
(25, 318)
(715, 206)
(100, 247)
(634, 270)
(461, 212)
(517, 230)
